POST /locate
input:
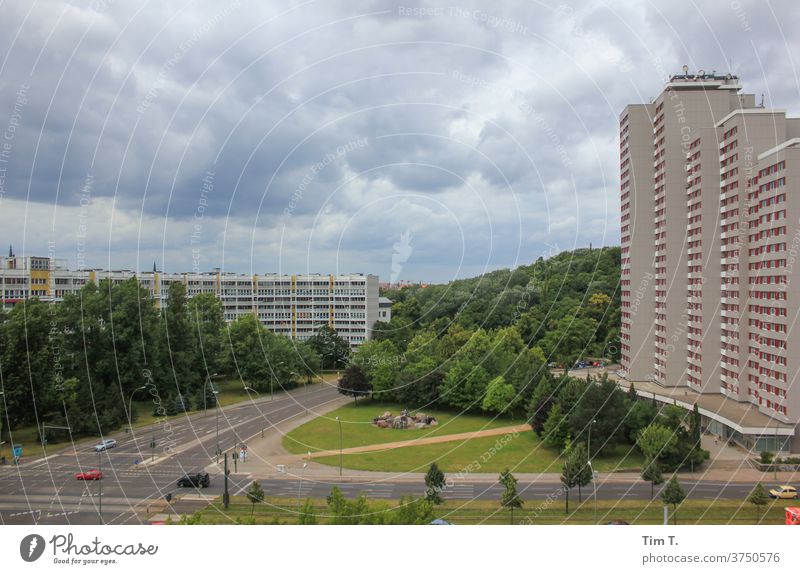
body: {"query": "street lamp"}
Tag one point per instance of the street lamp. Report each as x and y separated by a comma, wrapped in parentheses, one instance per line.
(299, 484)
(594, 485)
(1, 419)
(338, 420)
(216, 400)
(100, 485)
(589, 440)
(130, 412)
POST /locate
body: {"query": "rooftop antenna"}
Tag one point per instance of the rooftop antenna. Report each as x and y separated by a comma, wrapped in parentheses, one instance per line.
(685, 69)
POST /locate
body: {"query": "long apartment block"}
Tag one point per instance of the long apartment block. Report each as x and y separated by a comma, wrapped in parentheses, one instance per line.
(291, 305)
(710, 231)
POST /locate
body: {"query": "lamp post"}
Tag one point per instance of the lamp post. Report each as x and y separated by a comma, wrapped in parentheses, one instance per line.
(594, 486)
(216, 401)
(100, 485)
(299, 484)
(1, 419)
(338, 420)
(130, 403)
(589, 440)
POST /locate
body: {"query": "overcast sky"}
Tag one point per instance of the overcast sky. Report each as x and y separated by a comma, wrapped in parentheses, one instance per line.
(422, 141)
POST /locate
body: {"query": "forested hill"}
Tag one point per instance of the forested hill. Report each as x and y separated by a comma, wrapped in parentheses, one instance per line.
(568, 305)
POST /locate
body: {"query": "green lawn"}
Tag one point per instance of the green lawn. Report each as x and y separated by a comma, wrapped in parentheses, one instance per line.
(723, 511)
(357, 429)
(523, 452)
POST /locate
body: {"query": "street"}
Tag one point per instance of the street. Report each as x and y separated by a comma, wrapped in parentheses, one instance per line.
(137, 478)
(46, 492)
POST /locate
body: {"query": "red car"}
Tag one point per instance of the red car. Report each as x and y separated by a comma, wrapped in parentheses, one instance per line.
(89, 475)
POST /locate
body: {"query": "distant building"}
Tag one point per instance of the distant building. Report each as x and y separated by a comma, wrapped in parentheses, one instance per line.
(291, 305)
(384, 309)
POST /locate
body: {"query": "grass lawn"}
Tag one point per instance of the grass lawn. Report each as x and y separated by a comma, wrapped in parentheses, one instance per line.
(723, 511)
(357, 429)
(523, 452)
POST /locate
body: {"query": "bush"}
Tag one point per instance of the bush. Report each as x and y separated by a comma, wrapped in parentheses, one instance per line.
(766, 457)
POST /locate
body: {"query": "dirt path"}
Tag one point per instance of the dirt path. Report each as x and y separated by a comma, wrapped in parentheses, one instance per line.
(424, 441)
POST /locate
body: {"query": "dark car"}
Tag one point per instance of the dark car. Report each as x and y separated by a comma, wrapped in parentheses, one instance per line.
(195, 479)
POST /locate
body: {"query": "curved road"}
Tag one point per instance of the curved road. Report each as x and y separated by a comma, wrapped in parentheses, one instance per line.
(134, 486)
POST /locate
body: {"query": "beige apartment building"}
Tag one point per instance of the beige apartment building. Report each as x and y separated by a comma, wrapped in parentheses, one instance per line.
(291, 305)
(708, 232)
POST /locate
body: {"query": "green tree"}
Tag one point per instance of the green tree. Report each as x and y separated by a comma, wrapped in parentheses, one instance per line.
(652, 474)
(255, 494)
(570, 473)
(380, 362)
(434, 484)
(307, 360)
(245, 352)
(180, 345)
(464, 384)
(673, 494)
(656, 441)
(419, 382)
(758, 498)
(307, 515)
(499, 396)
(334, 352)
(695, 430)
(354, 383)
(412, 511)
(569, 340)
(510, 499)
(556, 429)
(604, 403)
(540, 404)
(207, 322)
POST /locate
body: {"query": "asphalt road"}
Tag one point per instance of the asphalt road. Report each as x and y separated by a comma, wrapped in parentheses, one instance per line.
(135, 476)
(133, 488)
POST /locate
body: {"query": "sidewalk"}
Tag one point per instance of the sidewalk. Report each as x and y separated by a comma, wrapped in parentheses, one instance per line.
(423, 441)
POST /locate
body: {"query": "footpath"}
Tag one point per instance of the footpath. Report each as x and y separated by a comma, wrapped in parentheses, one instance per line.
(268, 460)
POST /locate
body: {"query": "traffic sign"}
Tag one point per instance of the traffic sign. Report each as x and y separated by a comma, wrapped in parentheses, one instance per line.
(17, 450)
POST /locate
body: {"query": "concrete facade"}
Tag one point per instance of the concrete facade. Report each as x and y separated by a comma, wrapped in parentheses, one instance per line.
(726, 229)
(291, 305)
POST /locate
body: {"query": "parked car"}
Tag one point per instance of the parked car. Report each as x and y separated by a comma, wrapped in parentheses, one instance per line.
(784, 491)
(194, 479)
(89, 475)
(105, 445)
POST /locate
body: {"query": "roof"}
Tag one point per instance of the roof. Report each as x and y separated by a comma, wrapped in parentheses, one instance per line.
(384, 302)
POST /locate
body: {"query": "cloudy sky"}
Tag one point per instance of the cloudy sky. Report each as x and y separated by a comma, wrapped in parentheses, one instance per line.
(420, 141)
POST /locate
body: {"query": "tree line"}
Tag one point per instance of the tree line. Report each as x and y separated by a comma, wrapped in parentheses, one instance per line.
(81, 362)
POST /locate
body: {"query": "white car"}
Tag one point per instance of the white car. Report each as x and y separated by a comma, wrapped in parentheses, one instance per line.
(105, 445)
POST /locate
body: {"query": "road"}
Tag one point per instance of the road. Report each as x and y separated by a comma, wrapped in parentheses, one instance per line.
(134, 488)
(136, 476)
